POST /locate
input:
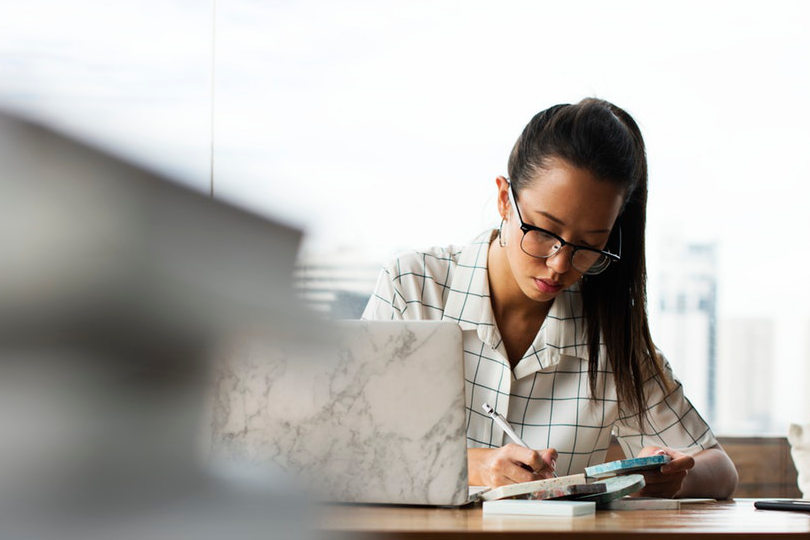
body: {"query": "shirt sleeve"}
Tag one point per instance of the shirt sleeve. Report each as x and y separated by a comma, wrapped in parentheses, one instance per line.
(672, 420)
(387, 301)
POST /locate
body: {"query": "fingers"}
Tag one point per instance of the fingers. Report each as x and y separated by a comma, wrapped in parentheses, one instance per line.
(529, 462)
(667, 480)
(658, 479)
(508, 466)
(517, 473)
(678, 464)
(513, 464)
(535, 460)
(543, 464)
(680, 461)
(650, 451)
(659, 485)
(550, 459)
(527, 456)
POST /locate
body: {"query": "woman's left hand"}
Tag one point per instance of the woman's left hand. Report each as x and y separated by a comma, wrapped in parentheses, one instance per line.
(667, 480)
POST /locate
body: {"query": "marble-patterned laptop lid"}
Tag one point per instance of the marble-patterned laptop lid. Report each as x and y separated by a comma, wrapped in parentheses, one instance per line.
(377, 416)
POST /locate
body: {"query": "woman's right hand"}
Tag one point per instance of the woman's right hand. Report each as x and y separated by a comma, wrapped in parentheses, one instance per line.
(510, 464)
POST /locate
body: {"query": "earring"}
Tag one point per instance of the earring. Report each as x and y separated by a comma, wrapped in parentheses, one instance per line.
(501, 240)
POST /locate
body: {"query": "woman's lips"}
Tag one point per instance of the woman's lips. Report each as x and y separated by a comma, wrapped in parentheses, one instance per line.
(547, 286)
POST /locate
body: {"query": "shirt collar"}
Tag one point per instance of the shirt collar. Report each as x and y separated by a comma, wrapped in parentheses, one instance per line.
(468, 303)
(562, 334)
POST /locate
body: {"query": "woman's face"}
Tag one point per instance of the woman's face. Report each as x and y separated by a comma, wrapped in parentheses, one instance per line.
(569, 202)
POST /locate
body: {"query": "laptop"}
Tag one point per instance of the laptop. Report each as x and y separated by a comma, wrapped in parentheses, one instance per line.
(377, 416)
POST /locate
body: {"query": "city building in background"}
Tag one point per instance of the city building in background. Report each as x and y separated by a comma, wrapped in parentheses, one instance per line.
(745, 385)
(336, 285)
(686, 318)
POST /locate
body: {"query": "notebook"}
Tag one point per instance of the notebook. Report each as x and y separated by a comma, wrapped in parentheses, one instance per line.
(375, 416)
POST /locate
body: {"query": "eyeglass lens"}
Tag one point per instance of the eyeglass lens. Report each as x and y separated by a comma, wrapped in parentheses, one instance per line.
(539, 244)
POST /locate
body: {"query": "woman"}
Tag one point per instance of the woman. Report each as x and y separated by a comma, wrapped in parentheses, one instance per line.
(553, 311)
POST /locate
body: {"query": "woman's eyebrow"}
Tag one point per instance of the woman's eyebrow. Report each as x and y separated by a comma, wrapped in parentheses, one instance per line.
(560, 222)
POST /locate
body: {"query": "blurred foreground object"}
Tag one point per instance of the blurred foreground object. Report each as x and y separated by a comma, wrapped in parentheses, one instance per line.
(115, 286)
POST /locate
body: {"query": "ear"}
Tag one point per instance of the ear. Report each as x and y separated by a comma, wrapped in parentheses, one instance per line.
(503, 196)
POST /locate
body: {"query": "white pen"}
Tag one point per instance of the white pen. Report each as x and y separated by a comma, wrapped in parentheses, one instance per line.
(504, 425)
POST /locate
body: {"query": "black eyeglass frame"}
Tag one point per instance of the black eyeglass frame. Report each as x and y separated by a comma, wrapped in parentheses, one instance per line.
(525, 227)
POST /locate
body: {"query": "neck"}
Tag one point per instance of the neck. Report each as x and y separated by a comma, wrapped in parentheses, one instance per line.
(508, 300)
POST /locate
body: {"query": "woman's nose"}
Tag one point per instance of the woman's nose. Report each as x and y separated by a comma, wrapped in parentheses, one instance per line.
(560, 262)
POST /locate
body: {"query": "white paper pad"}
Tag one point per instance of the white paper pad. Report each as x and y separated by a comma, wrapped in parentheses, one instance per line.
(539, 508)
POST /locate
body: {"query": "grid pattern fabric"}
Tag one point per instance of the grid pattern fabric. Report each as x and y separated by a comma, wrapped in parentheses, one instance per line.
(546, 396)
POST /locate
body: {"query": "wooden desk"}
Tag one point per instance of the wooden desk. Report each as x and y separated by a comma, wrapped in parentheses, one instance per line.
(729, 519)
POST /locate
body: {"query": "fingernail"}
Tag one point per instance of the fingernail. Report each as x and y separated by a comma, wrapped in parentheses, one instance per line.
(660, 453)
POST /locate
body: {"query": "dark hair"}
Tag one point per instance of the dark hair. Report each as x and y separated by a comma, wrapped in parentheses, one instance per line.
(602, 138)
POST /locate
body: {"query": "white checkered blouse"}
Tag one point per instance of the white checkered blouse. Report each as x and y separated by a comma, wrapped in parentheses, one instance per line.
(546, 396)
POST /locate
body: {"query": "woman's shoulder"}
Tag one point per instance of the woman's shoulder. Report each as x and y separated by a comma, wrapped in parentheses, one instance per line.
(416, 284)
(433, 260)
(430, 261)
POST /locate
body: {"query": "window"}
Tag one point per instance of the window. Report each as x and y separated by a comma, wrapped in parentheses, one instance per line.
(381, 127)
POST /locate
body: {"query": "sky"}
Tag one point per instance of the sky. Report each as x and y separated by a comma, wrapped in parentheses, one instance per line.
(378, 127)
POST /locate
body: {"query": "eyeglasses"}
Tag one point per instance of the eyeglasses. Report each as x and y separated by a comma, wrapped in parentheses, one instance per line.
(543, 244)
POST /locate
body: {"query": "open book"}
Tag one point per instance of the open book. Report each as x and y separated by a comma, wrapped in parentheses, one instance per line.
(537, 489)
(592, 482)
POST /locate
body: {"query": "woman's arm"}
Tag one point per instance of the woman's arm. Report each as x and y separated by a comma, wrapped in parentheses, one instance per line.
(713, 475)
(709, 473)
